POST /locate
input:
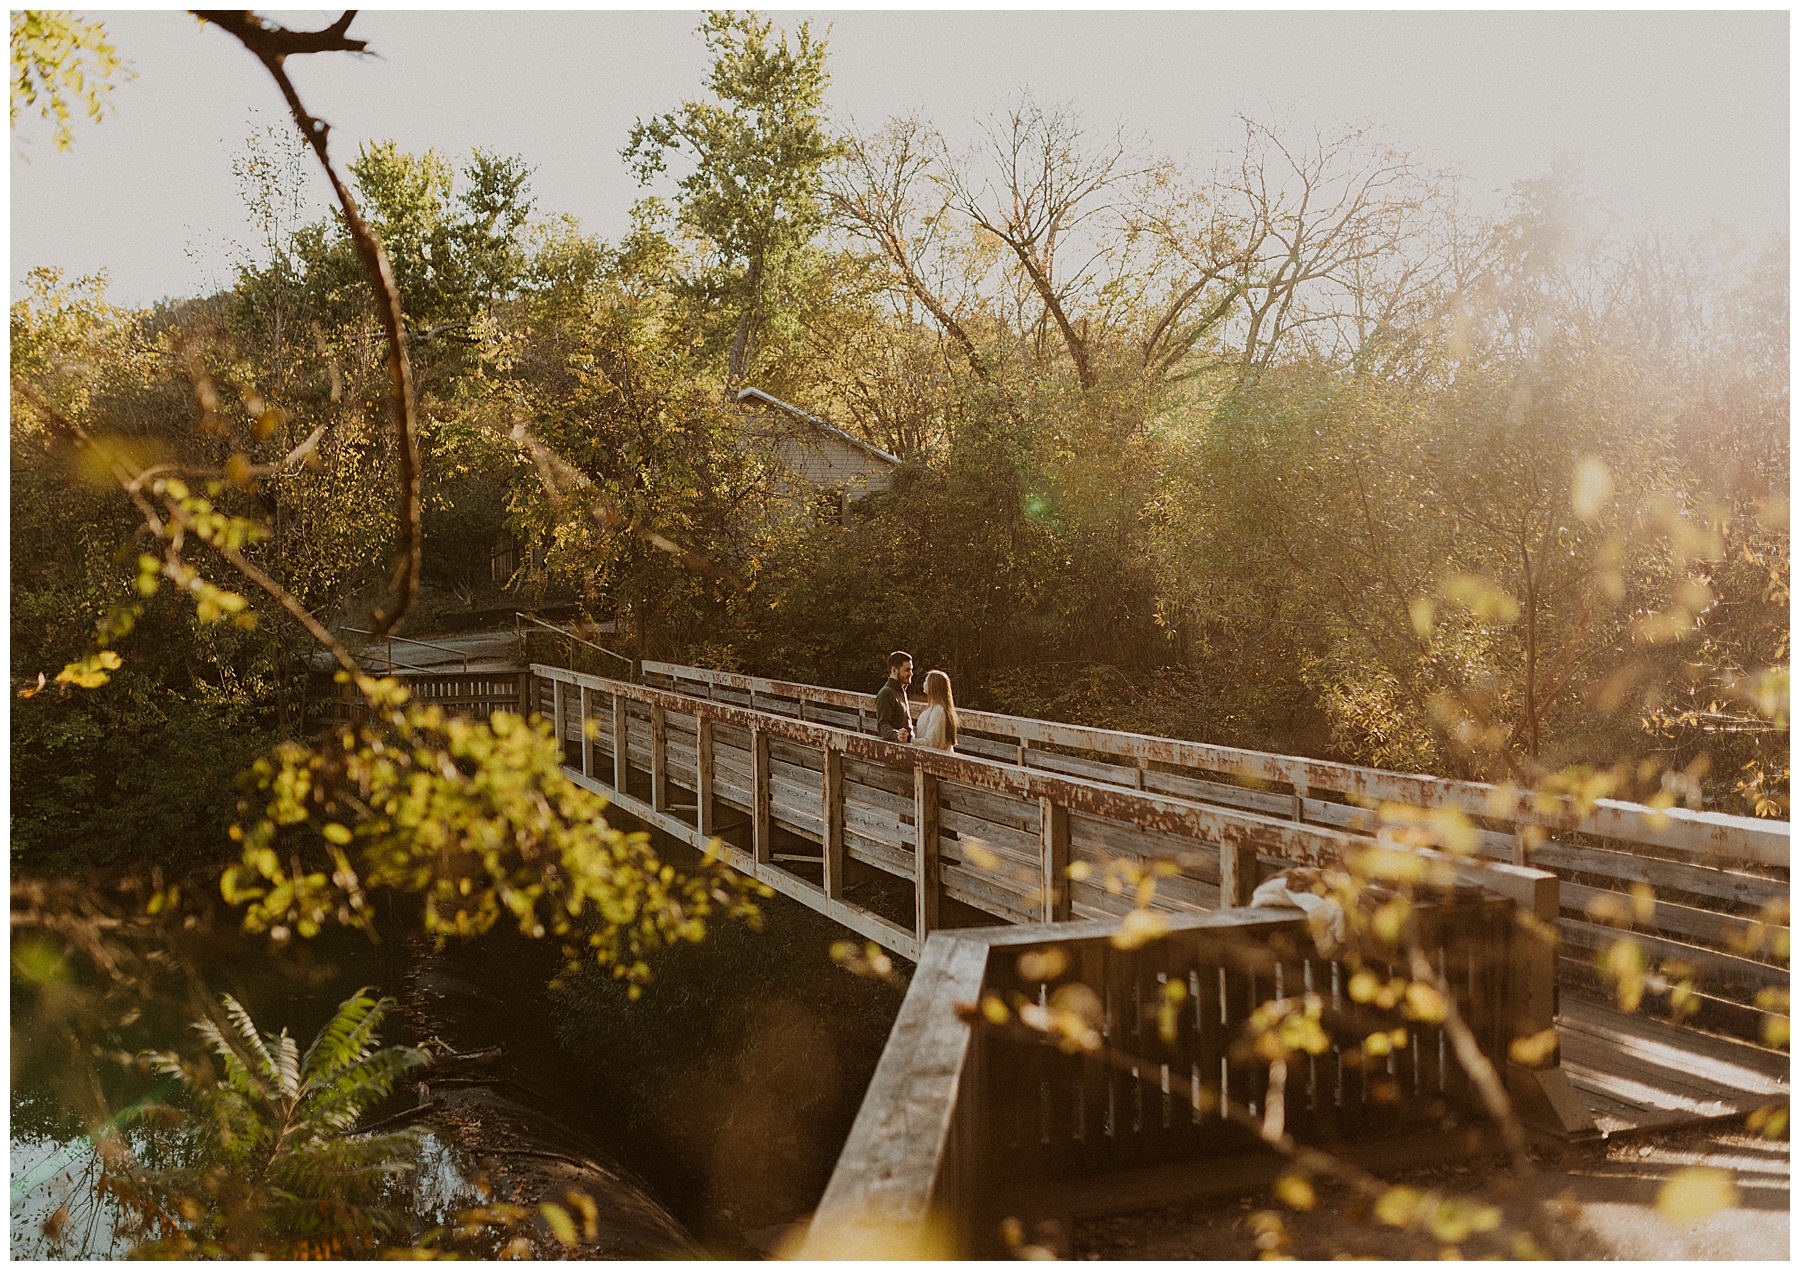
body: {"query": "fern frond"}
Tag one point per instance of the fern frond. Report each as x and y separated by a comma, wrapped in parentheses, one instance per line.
(252, 1038)
(347, 1039)
(237, 1073)
(287, 1065)
(361, 1086)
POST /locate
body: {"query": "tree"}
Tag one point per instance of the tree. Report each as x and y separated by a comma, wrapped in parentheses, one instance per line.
(758, 151)
(64, 62)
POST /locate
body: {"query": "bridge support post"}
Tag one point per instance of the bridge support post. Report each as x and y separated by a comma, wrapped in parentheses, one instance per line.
(703, 777)
(1237, 874)
(659, 759)
(1053, 839)
(621, 740)
(761, 846)
(587, 737)
(926, 866)
(832, 820)
(556, 713)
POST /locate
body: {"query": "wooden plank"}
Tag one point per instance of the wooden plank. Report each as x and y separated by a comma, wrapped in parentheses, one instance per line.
(1752, 890)
(762, 845)
(1713, 929)
(832, 820)
(1710, 964)
(1725, 1060)
(926, 870)
(889, 1171)
(898, 861)
(705, 813)
(1053, 872)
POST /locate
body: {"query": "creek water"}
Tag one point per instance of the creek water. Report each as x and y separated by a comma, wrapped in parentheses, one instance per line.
(55, 1209)
(724, 1094)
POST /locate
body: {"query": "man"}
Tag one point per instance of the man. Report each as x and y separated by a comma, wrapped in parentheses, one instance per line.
(893, 715)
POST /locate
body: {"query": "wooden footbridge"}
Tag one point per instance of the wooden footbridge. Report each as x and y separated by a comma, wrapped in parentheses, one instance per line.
(1051, 829)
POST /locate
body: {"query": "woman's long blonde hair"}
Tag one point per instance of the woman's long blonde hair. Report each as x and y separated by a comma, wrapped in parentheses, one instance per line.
(937, 692)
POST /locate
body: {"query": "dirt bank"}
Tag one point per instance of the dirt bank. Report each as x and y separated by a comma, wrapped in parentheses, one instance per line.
(515, 1113)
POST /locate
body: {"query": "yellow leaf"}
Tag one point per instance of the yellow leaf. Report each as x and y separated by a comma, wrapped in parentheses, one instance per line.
(561, 1225)
(1295, 1191)
(1533, 1050)
(1697, 1192)
(1139, 928)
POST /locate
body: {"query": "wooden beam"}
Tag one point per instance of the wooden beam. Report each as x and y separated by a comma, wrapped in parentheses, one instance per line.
(926, 867)
(621, 745)
(659, 758)
(761, 846)
(704, 813)
(1053, 837)
(832, 818)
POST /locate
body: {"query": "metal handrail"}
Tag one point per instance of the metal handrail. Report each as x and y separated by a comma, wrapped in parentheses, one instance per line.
(570, 635)
(445, 648)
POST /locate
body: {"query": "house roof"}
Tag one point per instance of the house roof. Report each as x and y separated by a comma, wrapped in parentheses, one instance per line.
(756, 394)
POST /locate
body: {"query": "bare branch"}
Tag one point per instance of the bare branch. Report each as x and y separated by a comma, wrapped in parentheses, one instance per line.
(271, 43)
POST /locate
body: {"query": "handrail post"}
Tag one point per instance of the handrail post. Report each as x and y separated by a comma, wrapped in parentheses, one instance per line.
(761, 848)
(556, 711)
(1053, 837)
(704, 818)
(659, 759)
(587, 738)
(831, 820)
(1237, 875)
(1301, 793)
(926, 865)
(621, 740)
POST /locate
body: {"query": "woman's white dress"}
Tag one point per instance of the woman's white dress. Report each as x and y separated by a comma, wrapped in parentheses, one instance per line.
(930, 729)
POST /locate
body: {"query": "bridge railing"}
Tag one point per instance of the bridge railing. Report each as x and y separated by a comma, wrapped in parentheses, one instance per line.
(967, 1123)
(1720, 882)
(810, 808)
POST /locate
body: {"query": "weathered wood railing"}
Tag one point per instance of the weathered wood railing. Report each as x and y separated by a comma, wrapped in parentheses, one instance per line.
(1713, 874)
(965, 1125)
(814, 810)
(476, 694)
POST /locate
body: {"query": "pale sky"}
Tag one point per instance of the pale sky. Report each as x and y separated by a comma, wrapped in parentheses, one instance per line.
(1676, 118)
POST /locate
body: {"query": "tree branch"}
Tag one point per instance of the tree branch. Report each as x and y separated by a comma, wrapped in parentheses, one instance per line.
(270, 43)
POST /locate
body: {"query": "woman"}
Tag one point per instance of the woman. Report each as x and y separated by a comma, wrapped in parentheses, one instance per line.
(937, 722)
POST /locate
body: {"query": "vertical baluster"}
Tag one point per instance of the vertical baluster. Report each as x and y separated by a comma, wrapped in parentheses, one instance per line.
(659, 759)
(925, 852)
(1053, 868)
(832, 819)
(761, 847)
(704, 815)
(621, 746)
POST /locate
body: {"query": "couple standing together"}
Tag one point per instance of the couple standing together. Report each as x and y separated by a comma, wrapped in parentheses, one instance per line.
(893, 713)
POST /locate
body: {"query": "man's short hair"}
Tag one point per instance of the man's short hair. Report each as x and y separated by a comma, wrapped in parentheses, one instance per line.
(898, 658)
